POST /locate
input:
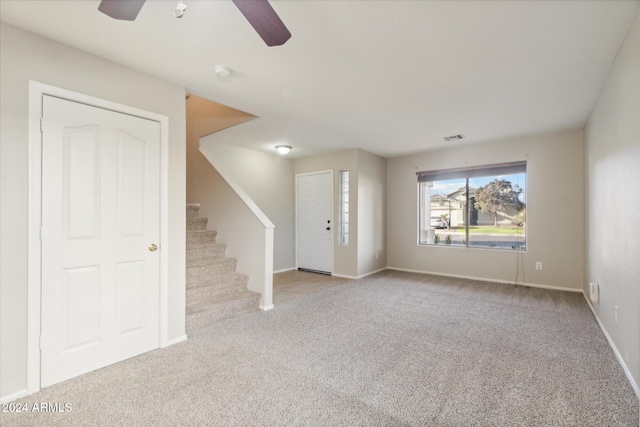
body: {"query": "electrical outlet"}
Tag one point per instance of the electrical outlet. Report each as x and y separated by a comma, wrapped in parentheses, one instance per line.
(615, 313)
(376, 255)
(594, 291)
(538, 265)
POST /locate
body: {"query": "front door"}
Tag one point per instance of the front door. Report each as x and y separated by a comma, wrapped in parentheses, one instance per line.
(315, 222)
(100, 230)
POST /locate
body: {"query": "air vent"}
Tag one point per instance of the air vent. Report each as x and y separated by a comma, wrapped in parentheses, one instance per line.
(453, 137)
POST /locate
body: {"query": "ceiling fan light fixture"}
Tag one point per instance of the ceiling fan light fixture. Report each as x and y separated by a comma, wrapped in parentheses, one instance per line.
(283, 149)
(180, 9)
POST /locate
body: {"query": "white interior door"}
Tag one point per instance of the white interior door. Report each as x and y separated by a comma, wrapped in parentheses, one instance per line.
(315, 225)
(100, 214)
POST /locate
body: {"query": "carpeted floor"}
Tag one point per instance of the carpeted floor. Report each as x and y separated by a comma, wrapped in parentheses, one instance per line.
(394, 349)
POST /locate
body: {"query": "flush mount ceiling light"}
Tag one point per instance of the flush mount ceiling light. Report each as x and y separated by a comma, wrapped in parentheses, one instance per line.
(179, 12)
(283, 149)
(222, 72)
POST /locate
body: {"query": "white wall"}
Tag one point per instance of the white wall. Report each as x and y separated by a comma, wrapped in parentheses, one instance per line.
(555, 212)
(242, 231)
(245, 230)
(345, 257)
(268, 180)
(612, 163)
(23, 57)
(372, 208)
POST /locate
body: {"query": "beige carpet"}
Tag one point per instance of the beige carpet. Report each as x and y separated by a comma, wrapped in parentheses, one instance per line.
(395, 349)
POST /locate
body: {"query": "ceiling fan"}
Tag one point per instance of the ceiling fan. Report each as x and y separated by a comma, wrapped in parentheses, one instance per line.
(259, 13)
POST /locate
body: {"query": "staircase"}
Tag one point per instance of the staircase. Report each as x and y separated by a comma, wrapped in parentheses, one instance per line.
(214, 290)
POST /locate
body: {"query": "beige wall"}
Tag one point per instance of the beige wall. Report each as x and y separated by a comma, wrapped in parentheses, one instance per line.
(237, 225)
(23, 57)
(555, 217)
(268, 180)
(240, 229)
(345, 257)
(372, 208)
(612, 158)
(205, 117)
(367, 204)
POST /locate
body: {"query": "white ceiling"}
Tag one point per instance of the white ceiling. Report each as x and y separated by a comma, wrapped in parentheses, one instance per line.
(391, 77)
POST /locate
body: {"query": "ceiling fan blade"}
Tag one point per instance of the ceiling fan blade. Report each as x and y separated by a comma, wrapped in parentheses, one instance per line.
(125, 10)
(264, 20)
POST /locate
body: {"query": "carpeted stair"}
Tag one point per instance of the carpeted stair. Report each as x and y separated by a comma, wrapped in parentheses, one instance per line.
(214, 290)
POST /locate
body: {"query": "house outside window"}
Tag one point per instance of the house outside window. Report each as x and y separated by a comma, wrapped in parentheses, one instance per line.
(480, 207)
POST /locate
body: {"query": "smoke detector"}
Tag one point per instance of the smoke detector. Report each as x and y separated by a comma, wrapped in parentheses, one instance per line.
(454, 137)
(222, 72)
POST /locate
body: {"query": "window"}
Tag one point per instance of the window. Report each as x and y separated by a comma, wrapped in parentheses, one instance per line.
(482, 207)
(344, 207)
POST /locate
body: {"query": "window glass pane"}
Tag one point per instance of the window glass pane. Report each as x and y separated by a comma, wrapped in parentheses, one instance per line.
(497, 212)
(344, 207)
(492, 214)
(442, 212)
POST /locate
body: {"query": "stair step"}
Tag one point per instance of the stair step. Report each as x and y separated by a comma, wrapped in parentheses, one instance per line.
(203, 237)
(229, 281)
(216, 312)
(216, 269)
(217, 291)
(206, 302)
(197, 224)
(203, 253)
(193, 210)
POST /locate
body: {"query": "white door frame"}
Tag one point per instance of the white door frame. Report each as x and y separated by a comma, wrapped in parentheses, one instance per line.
(34, 279)
(333, 214)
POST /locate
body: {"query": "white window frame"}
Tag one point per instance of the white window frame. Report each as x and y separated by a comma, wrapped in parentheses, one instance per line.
(343, 236)
(427, 178)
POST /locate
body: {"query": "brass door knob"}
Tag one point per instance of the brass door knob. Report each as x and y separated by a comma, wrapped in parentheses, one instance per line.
(153, 247)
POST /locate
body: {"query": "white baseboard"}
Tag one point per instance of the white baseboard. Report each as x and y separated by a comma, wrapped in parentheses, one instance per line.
(360, 276)
(176, 340)
(14, 396)
(266, 307)
(486, 279)
(344, 276)
(627, 372)
(285, 269)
